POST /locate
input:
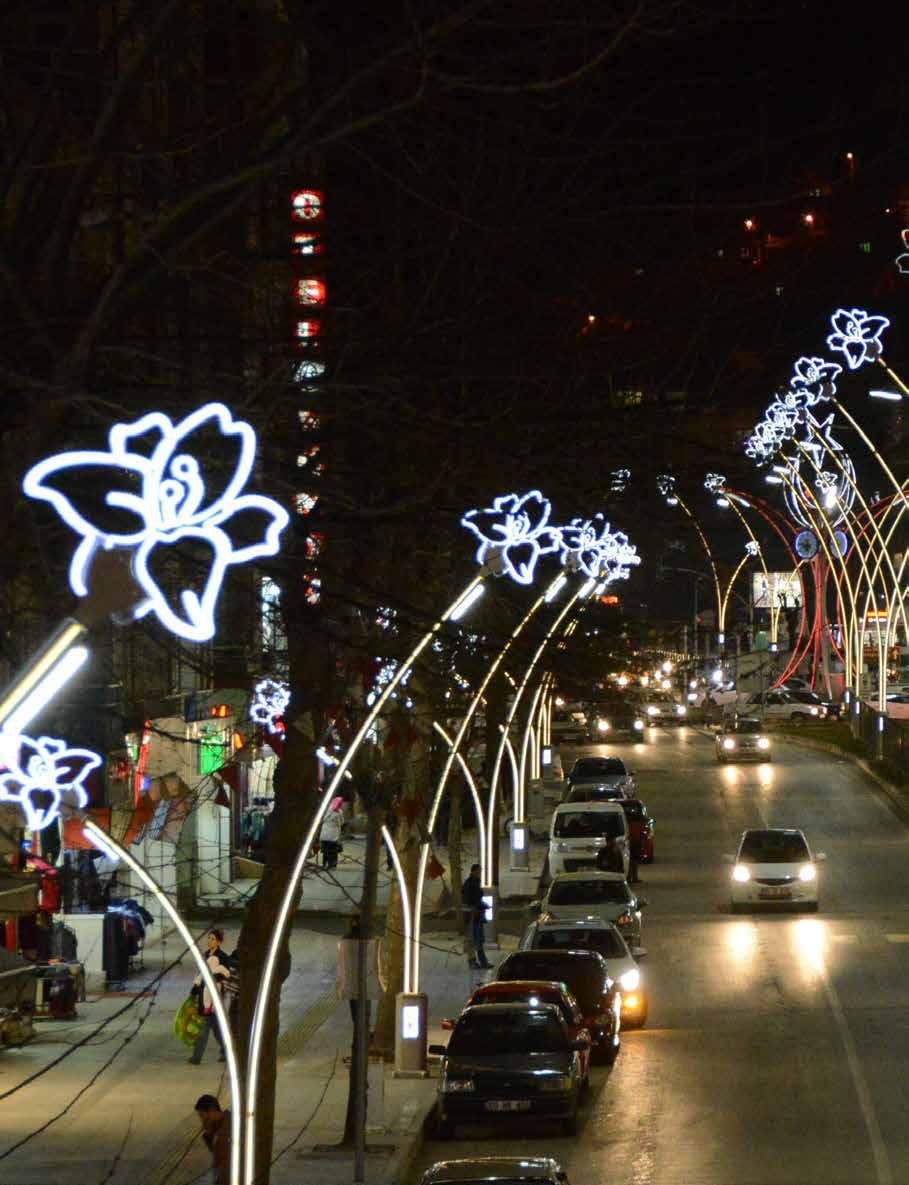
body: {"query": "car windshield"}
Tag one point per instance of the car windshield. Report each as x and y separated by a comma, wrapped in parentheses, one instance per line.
(773, 847)
(635, 810)
(584, 974)
(581, 824)
(587, 892)
(745, 726)
(595, 767)
(494, 1034)
(605, 942)
(522, 996)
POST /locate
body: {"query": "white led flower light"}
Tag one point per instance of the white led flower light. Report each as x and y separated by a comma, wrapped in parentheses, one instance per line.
(590, 545)
(902, 261)
(753, 548)
(156, 500)
(857, 336)
(814, 379)
(714, 482)
(514, 533)
(269, 703)
(36, 774)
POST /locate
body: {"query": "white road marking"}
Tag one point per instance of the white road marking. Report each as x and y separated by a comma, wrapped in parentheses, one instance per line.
(882, 1167)
(844, 937)
(897, 937)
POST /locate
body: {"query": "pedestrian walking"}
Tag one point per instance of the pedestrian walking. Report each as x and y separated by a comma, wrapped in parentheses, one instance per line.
(216, 1134)
(219, 966)
(330, 836)
(474, 910)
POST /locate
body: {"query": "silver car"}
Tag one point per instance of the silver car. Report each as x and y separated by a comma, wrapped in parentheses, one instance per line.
(573, 896)
(496, 1170)
(743, 739)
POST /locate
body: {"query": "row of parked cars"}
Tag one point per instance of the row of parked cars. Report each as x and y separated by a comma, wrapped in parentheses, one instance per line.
(524, 1042)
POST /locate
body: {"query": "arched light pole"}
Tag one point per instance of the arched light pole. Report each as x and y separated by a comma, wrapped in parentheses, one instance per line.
(667, 486)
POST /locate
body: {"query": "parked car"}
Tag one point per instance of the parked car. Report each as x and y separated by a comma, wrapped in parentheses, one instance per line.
(593, 933)
(640, 828)
(614, 718)
(742, 739)
(578, 832)
(830, 710)
(609, 773)
(533, 993)
(496, 1170)
(782, 705)
(569, 723)
(573, 896)
(774, 866)
(508, 1059)
(586, 975)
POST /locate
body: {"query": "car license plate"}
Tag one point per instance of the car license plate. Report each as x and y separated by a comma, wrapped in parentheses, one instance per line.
(508, 1105)
(776, 893)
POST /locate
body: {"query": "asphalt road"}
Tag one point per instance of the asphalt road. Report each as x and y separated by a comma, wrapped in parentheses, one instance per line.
(777, 1047)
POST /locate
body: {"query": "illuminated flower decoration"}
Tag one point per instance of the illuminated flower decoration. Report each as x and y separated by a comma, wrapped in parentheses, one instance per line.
(589, 544)
(813, 379)
(857, 335)
(37, 774)
(269, 703)
(156, 502)
(714, 482)
(666, 484)
(753, 548)
(902, 261)
(782, 420)
(618, 480)
(514, 533)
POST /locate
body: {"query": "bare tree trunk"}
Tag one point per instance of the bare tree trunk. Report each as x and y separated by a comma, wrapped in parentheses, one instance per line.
(355, 1119)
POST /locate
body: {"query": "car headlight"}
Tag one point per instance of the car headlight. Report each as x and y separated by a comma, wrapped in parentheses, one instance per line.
(652, 711)
(556, 1082)
(807, 872)
(630, 980)
(692, 696)
(603, 725)
(728, 743)
(624, 920)
(639, 724)
(561, 847)
(763, 743)
(680, 709)
(814, 711)
(457, 1085)
(741, 874)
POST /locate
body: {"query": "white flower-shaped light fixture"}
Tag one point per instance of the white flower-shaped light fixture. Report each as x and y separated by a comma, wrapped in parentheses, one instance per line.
(753, 548)
(857, 336)
(514, 532)
(269, 703)
(36, 774)
(902, 261)
(714, 482)
(814, 379)
(156, 500)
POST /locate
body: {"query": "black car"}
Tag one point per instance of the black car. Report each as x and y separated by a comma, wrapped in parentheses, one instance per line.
(509, 1059)
(496, 1170)
(587, 977)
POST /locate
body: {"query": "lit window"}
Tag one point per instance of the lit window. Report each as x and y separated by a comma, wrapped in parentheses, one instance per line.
(303, 459)
(305, 503)
(309, 371)
(313, 590)
(865, 248)
(307, 205)
(309, 421)
(310, 291)
(213, 751)
(308, 330)
(314, 545)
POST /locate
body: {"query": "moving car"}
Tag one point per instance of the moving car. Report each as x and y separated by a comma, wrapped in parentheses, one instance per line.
(614, 718)
(586, 975)
(782, 705)
(533, 993)
(774, 866)
(610, 778)
(640, 828)
(742, 739)
(496, 1170)
(578, 832)
(573, 896)
(569, 724)
(594, 934)
(659, 707)
(508, 1059)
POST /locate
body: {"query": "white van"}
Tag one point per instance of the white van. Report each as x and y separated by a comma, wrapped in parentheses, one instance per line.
(578, 831)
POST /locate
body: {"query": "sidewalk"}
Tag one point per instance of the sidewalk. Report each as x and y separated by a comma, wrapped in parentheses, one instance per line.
(120, 1101)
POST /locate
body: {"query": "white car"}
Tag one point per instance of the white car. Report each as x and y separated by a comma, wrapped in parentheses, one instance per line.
(569, 723)
(602, 937)
(774, 866)
(659, 707)
(573, 896)
(783, 705)
(578, 833)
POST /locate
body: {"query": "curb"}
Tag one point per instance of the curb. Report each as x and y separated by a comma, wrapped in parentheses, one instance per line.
(405, 1154)
(895, 797)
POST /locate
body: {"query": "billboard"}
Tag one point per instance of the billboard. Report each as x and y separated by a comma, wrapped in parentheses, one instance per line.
(782, 590)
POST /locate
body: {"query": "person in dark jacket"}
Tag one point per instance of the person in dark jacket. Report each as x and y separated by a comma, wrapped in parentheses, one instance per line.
(216, 1134)
(609, 858)
(474, 910)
